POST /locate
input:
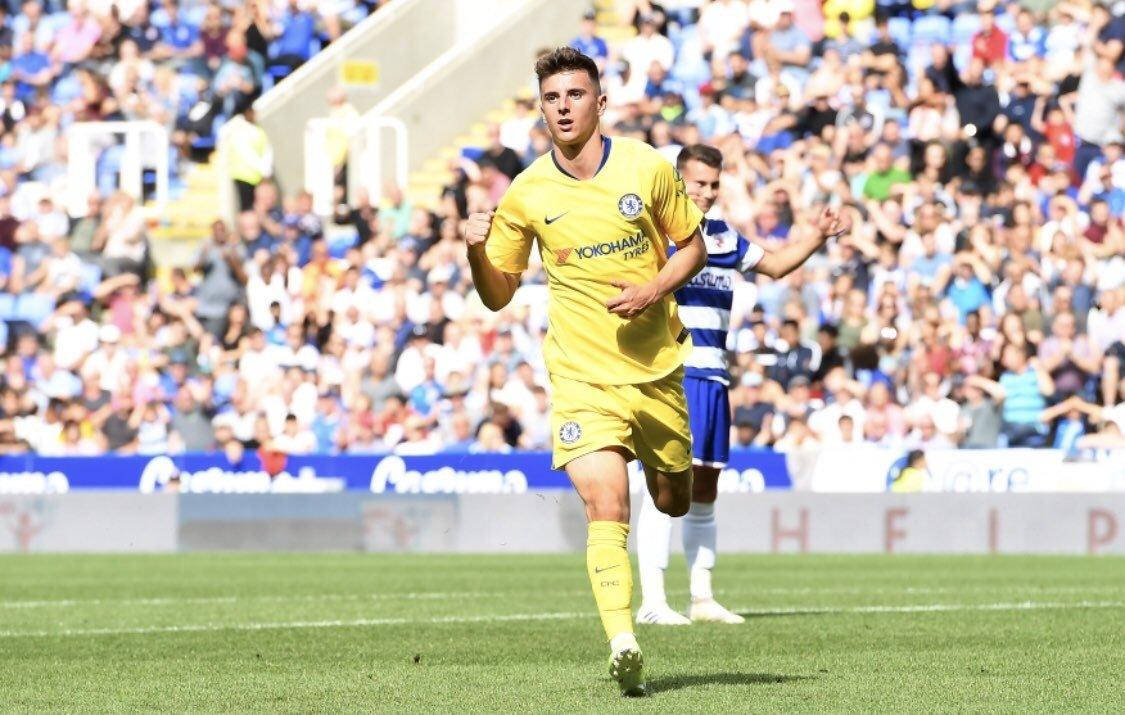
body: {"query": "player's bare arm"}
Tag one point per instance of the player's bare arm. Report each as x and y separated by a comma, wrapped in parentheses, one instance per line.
(689, 259)
(829, 224)
(494, 286)
(700, 171)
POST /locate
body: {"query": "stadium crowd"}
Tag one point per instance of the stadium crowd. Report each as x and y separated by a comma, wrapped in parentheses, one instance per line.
(979, 300)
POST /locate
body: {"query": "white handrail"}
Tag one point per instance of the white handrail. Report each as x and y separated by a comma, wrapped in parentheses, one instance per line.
(371, 158)
(365, 153)
(82, 161)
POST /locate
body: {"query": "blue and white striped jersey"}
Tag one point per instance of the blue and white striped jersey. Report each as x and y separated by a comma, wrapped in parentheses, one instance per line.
(705, 302)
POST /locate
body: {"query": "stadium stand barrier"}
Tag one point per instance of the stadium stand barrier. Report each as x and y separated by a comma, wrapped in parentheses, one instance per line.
(365, 159)
(393, 43)
(551, 521)
(434, 104)
(869, 470)
(145, 146)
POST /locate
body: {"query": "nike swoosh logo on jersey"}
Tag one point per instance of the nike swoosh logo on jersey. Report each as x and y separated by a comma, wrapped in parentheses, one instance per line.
(607, 568)
(550, 221)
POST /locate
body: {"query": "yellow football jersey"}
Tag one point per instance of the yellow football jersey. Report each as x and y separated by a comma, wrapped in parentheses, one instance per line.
(614, 226)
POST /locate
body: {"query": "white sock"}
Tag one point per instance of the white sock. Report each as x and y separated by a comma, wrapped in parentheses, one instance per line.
(699, 548)
(623, 640)
(654, 534)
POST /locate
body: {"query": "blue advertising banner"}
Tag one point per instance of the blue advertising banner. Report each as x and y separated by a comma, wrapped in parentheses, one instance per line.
(449, 473)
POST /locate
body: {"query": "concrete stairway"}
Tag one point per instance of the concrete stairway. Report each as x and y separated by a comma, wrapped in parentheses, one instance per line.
(425, 185)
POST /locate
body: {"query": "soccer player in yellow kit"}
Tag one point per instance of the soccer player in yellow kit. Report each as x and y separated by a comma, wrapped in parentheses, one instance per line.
(603, 212)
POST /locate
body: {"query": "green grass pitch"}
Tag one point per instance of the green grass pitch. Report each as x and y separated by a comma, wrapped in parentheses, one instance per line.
(332, 632)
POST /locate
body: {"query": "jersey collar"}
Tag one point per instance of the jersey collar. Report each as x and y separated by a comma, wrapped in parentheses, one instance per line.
(606, 146)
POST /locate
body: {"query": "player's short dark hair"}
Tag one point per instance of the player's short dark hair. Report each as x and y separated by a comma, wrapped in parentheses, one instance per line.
(704, 153)
(567, 59)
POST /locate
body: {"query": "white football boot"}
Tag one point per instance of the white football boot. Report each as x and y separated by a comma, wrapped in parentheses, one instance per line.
(661, 615)
(709, 611)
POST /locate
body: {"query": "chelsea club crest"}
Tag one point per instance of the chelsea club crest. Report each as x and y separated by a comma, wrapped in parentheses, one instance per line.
(570, 432)
(630, 206)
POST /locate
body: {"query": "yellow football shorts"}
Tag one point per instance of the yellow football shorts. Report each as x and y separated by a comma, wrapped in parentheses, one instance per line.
(649, 419)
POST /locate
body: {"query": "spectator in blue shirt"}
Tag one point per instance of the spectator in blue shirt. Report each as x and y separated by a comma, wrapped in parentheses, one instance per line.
(966, 288)
(179, 39)
(31, 69)
(327, 423)
(1027, 41)
(139, 29)
(278, 334)
(789, 46)
(931, 263)
(1022, 390)
(253, 236)
(590, 44)
(1020, 105)
(296, 32)
(5, 267)
(426, 395)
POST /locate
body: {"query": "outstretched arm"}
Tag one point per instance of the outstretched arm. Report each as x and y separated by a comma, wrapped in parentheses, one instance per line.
(776, 264)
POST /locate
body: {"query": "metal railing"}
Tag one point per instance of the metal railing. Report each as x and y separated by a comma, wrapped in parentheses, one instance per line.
(365, 160)
(86, 142)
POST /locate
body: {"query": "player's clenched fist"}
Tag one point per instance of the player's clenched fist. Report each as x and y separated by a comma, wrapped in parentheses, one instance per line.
(476, 227)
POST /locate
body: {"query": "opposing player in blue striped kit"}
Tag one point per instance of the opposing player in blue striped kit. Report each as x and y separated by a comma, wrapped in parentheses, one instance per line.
(705, 305)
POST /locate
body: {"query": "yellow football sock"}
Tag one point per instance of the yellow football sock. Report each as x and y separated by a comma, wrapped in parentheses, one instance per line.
(611, 576)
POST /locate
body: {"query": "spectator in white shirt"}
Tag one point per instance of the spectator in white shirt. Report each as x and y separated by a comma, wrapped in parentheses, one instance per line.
(935, 406)
(418, 438)
(294, 439)
(647, 47)
(76, 336)
(720, 26)
(409, 372)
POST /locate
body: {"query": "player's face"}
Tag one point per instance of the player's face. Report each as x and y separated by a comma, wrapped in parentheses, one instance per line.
(571, 106)
(702, 183)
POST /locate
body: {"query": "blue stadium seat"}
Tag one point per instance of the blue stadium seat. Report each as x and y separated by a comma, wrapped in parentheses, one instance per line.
(34, 308)
(899, 29)
(278, 72)
(931, 30)
(918, 57)
(91, 277)
(7, 306)
(962, 56)
(963, 28)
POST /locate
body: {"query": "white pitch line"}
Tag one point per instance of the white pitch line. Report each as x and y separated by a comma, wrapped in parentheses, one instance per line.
(501, 618)
(171, 601)
(935, 608)
(285, 625)
(450, 595)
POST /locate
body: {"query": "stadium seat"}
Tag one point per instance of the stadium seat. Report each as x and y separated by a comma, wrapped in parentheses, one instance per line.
(33, 308)
(91, 277)
(7, 306)
(899, 29)
(962, 55)
(277, 72)
(930, 30)
(963, 28)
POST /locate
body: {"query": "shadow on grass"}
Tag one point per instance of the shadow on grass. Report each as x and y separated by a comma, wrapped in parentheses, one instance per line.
(676, 682)
(783, 613)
